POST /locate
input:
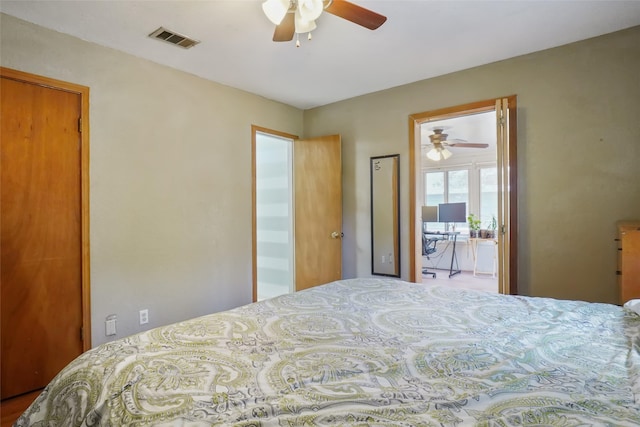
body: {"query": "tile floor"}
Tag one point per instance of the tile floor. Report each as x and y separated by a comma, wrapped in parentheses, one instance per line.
(464, 280)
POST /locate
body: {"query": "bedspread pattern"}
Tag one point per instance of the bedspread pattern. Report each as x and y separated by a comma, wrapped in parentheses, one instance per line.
(364, 352)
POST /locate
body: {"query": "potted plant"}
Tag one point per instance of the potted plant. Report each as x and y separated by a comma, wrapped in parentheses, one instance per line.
(474, 225)
(491, 229)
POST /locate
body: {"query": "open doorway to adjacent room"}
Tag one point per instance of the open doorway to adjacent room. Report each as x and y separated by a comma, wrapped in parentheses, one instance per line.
(273, 214)
(458, 170)
(462, 199)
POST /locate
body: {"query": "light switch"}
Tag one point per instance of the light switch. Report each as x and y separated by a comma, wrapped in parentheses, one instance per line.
(144, 316)
(110, 325)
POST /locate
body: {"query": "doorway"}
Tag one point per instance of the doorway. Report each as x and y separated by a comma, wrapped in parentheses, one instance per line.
(502, 169)
(459, 156)
(45, 229)
(273, 210)
(297, 217)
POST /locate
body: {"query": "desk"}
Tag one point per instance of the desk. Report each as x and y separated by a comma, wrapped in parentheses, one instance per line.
(446, 235)
(474, 250)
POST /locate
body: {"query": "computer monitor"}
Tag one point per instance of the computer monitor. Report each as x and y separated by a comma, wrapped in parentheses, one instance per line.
(429, 214)
(452, 212)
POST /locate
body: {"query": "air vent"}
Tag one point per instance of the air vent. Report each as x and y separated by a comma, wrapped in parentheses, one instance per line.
(173, 38)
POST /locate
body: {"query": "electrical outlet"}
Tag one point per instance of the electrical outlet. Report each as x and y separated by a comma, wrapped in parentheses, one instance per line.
(144, 316)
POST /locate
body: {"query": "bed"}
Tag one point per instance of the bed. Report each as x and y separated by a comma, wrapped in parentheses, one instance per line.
(363, 352)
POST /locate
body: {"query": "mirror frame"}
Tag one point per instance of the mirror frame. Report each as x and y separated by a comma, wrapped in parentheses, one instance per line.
(392, 240)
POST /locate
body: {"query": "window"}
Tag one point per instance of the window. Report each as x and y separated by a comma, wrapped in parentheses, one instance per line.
(450, 186)
(488, 195)
(475, 184)
(434, 188)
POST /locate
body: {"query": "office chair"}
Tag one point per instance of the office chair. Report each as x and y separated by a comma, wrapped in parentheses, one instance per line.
(428, 248)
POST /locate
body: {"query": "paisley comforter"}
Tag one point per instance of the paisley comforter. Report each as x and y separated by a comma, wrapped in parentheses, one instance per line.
(362, 352)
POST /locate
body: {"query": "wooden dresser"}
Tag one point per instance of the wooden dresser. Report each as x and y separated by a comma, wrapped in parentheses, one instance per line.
(628, 260)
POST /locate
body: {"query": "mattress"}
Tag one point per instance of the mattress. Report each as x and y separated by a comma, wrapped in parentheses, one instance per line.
(363, 352)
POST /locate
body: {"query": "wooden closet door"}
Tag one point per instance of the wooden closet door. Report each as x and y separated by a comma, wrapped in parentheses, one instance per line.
(41, 252)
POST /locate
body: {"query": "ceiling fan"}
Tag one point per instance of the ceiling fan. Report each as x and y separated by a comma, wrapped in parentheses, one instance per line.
(298, 16)
(440, 143)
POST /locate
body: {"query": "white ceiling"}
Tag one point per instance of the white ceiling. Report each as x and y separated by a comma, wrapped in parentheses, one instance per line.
(421, 39)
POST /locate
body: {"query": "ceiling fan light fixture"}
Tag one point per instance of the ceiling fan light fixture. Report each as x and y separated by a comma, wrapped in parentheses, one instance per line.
(275, 10)
(302, 25)
(293, 17)
(434, 155)
(439, 153)
(310, 10)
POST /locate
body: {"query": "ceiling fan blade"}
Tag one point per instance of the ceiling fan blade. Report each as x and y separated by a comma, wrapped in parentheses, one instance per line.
(284, 31)
(467, 145)
(356, 14)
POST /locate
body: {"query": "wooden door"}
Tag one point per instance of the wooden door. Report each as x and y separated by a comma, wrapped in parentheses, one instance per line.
(41, 232)
(317, 173)
(507, 195)
(630, 268)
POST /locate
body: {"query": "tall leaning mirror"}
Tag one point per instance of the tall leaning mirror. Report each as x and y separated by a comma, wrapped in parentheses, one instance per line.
(385, 213)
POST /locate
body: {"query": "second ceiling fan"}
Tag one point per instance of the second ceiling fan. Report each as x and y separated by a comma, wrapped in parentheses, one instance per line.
(440, 143)
(298, 16)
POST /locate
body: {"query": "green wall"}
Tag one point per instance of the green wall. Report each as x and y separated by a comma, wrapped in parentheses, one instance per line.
(578, 157)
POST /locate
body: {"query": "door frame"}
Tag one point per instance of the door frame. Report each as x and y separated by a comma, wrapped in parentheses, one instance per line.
(415, 181)
(83, 92)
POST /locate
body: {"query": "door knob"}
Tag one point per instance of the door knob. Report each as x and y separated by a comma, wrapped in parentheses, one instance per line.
(336, 235)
